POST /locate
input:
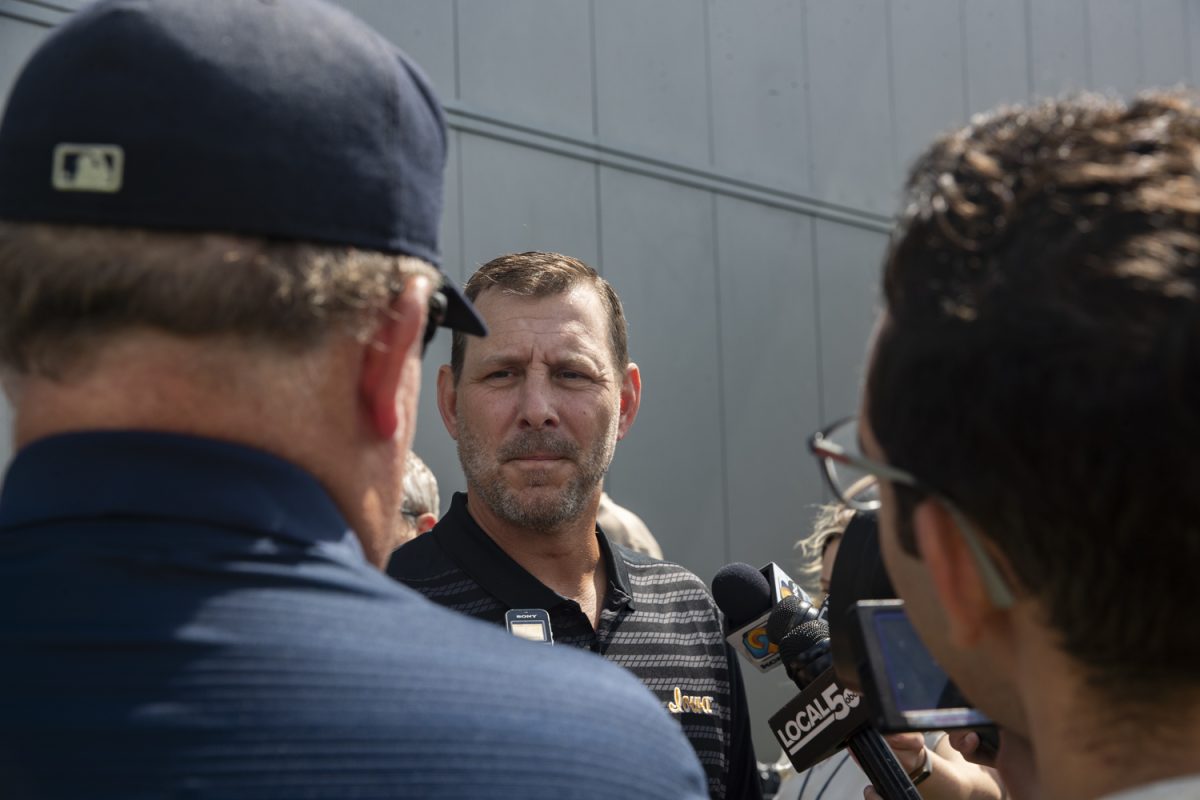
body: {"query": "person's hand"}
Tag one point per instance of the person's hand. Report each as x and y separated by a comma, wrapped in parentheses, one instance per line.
(909, 749)
(951, 776)
(1013, 762)
(968, 743)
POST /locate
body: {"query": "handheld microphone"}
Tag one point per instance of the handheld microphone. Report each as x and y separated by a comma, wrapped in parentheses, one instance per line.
(825, 715)
(746, 596)
(790, 613)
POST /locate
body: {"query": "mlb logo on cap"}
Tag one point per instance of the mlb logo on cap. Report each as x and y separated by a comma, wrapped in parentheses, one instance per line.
(88, 168)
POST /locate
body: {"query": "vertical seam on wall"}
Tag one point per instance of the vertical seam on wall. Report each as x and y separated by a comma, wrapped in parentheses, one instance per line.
(457, 66)
(596, 135)
(1087, 47)
(962, 50)
(897, 170)
(1139, 49)
(1029, 50)
(599, 221)
(595, 70)
(708, 78)
(812, 222)
(458, 157)
(726, 532)
(816, 276)
(1187, 45)
(808, 132)
(460, 140)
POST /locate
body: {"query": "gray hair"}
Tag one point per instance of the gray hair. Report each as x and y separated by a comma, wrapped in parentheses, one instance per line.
(63, 288)
(420, 488)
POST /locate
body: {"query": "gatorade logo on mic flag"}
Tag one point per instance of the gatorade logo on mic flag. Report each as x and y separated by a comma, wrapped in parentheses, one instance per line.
(751, 640)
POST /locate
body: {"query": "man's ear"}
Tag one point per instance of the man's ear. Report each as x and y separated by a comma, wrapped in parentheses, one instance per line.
(952, 569)
(425, 522)
(631, 399)
(398, 330)
(447, 400)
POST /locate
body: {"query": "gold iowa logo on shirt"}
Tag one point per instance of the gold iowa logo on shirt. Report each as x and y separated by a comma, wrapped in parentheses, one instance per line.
(684, 703)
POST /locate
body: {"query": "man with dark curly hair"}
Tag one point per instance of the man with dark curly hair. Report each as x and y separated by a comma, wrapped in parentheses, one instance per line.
(1032, 409)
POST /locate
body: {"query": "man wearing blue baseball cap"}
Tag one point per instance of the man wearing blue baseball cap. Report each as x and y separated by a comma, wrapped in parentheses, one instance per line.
(218, 239)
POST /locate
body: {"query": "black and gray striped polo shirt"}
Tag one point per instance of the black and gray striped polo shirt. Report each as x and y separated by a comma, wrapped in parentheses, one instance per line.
(658, 621)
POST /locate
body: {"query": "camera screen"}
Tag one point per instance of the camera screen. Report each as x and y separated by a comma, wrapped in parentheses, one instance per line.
(917, 682)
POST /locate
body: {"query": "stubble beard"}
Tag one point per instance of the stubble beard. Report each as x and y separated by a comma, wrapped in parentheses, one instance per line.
(544, 511)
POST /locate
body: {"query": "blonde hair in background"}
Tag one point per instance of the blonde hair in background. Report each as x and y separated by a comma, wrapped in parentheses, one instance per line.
(829, 524)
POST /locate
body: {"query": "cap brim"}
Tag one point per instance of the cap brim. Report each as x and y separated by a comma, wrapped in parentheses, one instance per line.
(460, 314)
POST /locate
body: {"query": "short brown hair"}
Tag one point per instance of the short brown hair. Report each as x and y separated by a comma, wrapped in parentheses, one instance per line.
(62, 287)
(539, 274)
(1039, 365)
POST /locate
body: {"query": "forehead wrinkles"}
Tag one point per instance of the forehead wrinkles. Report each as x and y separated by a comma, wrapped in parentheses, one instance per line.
(530, 344)
(552, 327)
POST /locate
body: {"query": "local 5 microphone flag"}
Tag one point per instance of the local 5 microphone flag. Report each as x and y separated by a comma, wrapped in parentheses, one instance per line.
(750, 639)
(816, 723)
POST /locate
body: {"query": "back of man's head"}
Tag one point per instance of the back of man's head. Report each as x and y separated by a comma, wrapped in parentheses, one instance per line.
(228, 167)
(420, 487)
(1039, 365)
(421, 504)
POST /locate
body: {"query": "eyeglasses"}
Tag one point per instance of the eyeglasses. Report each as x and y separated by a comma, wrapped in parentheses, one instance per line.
(854, 479)
(436, 316)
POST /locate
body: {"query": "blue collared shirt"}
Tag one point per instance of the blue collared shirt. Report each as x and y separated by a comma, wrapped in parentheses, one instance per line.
(182, 617)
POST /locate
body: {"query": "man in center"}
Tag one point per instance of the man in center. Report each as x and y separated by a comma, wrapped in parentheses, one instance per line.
(537, 409)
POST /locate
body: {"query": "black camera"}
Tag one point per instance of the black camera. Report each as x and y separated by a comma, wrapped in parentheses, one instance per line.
(876, 651)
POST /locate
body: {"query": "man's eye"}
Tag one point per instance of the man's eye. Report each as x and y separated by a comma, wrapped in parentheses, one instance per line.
(499, 374)
(572, 375)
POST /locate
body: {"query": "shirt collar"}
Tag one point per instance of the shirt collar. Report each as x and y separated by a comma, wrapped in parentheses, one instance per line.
(167, 476)
(618, 570)
(488, 565)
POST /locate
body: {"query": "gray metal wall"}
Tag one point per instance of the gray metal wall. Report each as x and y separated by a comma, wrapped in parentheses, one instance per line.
(731, 166)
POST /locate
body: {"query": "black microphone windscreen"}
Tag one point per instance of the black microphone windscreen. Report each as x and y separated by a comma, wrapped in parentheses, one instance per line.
(800, 640)
(792, 611)
(804, 652)
(741, 592)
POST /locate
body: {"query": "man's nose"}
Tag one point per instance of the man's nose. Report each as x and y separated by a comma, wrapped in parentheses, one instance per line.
(538, 409)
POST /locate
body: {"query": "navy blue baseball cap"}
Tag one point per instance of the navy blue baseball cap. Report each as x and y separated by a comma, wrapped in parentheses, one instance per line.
(287, 119)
